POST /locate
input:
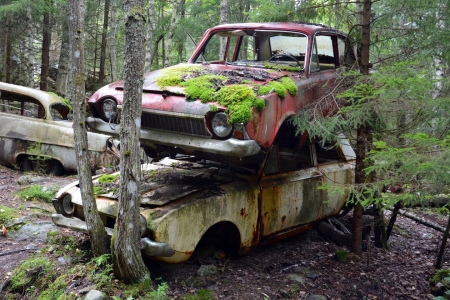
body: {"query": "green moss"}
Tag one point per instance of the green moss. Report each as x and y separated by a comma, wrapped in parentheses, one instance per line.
(202, 87)
(282, 67)
(259, 104)
(36, 192)
(239, 99)
(273, 85)
(36, 271)
(174, 75)
(108, 178)
(213, 108)
(341, 254)
(8, 213)
(245, 81)
(290, 85)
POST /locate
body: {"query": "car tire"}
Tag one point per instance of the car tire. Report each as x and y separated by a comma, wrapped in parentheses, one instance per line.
(54, 167)
(25, 164)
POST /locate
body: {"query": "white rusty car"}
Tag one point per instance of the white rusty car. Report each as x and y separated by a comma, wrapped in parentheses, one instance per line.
(36, 133)
(185, 203)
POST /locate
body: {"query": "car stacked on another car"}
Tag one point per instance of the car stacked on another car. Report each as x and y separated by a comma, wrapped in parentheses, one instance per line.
(36, 133)
(234, 97)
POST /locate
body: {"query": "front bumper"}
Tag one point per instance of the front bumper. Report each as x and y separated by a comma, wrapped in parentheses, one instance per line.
(148, 247)
(189, 143)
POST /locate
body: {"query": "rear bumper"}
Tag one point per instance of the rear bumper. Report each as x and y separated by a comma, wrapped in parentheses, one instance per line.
(189, 143)
(148, 247)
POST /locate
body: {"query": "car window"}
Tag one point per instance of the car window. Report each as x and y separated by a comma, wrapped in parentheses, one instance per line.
(304, 154)
(27, 107)
(346, 55)
(59, 111)
(322, 54)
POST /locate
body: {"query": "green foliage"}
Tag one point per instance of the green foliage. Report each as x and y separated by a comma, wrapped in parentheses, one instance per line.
(290, 85)
(213, 108)
(7, 214)
(102, 273)
(108, 178)
(36, 192)
(276, 86)
(341, 254)
(36, 271)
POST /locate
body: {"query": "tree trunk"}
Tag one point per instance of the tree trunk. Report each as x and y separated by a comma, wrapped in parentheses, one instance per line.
(181, 46)
(361, 148)
(440, 258)
(101, 72)
(149, 40)
(223, 20)
(395, 212)
(61, 81)
(127, 258)
(112, 41)
(379, 227)
(171, 30)
(4, 76)
(46, 39)
(95, 227)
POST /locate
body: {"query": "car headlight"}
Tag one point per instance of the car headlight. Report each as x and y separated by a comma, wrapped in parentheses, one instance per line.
(67, 204)
(109, 108)
(220, 125)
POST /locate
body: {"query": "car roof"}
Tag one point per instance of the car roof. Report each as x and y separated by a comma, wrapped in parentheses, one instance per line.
(307, 28)
(44, 97)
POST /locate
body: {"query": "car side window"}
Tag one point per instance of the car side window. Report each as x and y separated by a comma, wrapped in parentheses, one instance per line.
(346, 55)
(302, 155)
(322, 54)
(24, 107)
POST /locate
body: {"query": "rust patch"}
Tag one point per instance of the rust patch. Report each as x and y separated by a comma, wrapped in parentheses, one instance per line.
(283, 219)
(243, 214)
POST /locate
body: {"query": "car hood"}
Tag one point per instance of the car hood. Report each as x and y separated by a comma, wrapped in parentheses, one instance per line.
(161, 183)
(172, 98)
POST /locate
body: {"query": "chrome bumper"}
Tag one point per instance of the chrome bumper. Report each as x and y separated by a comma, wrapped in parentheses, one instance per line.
(231, 147)
(148, 247)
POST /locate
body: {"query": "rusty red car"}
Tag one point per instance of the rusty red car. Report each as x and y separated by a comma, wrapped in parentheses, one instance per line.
(233, 99)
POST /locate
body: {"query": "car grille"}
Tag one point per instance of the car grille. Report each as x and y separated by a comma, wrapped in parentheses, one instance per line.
(175, 123)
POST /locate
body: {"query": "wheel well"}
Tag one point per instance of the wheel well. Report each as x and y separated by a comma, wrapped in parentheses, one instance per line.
(223, 236)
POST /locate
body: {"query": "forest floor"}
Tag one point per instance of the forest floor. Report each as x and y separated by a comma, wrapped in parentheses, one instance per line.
(302, 267)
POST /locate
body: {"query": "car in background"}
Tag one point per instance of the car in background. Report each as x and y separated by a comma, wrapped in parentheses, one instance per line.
(37, 135)
(186, 203)
(235, 96)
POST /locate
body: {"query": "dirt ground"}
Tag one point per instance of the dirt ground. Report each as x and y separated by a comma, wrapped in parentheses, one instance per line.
(297, 268)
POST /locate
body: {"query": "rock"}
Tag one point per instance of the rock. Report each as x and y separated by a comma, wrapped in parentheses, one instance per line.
(86, 289)
(305, 271)
(206, 270)
(30, 179)
(317, 297)
(65, 260)
(35, 232)
(297, 278)
(94, 295)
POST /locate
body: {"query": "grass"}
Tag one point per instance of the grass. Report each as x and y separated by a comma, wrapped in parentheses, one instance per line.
(36, 192)
(8, 213)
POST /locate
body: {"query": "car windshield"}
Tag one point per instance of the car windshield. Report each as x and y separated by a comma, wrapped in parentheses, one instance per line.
(256, 48)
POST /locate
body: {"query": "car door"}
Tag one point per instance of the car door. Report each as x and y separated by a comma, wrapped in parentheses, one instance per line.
(290, 196)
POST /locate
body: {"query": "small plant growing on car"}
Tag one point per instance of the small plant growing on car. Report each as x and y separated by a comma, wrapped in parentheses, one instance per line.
(108, 178)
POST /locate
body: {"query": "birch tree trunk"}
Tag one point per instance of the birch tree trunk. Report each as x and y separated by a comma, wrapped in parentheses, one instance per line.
(95, 227)
(171, 29)
(223, 20)
(127, 258)
(149, 38)
(112, 40)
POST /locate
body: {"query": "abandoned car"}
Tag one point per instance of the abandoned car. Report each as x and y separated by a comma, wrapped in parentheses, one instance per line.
(35, 133)
(234, 97)
(188, 203)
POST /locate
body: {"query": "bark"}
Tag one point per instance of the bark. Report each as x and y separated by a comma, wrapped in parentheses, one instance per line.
(395, 212)
(61, 81)
(112, 41)
(127, 259)
(46, 40)
(361, 148)
(5, 57)
(223, 20)
(95, 227)
(101, 72)
(171, 31)
(379, 227)
(421, 220)
(181, 46)
(440, 258)
(149, 39)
